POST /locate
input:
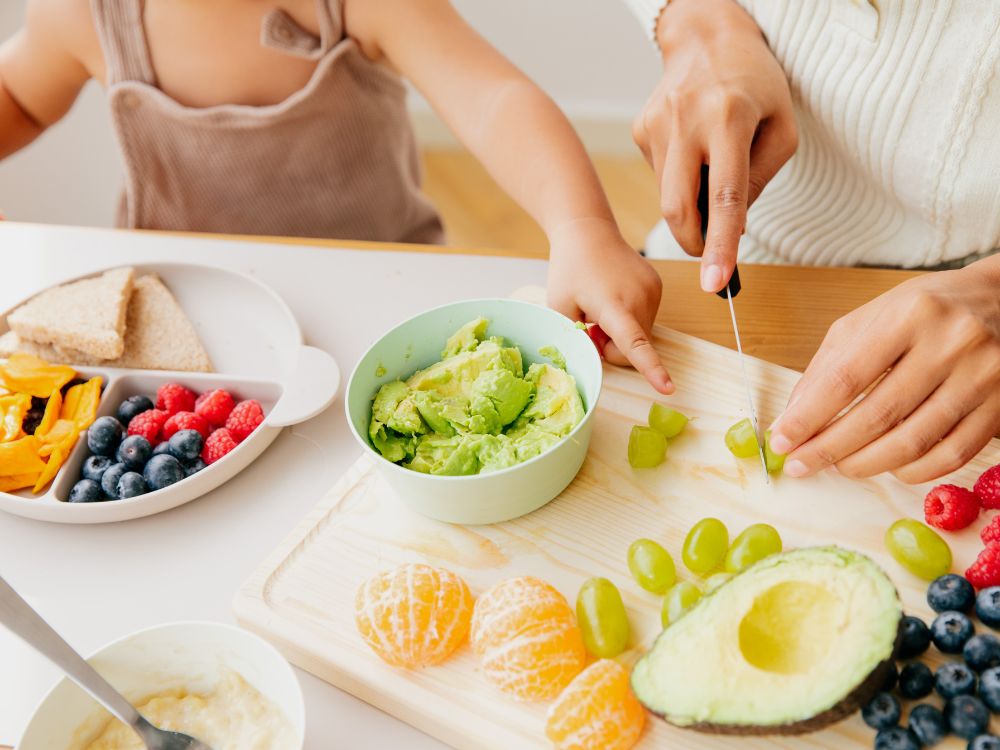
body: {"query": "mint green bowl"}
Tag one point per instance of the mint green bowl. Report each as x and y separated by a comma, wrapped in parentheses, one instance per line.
(495, 496)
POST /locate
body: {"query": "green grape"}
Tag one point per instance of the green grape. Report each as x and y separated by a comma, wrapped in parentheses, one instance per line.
(666, 420)
(705, 546)
(740, 439)
(754, 543)
(714, 581)
(646, 447)
(775, 461)
(651, 566)
(918, 548)
(678, 600)
(602, 619)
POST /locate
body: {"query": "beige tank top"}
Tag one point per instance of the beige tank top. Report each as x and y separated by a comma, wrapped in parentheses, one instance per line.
(336, 159)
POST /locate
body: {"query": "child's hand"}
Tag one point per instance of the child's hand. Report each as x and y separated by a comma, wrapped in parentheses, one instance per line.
(596, 277)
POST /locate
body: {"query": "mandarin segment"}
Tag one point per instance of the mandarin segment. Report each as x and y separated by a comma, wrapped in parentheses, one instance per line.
(525, 633)
(414, 615)
(596, 711)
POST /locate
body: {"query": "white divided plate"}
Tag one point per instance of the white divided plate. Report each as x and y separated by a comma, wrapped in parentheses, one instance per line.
(256, 346)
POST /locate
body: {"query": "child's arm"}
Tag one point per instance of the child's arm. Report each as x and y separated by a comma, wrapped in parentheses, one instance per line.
(531, 150)
(40, 76)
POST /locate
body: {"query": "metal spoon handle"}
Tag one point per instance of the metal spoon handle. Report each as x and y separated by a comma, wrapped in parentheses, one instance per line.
(23, 621)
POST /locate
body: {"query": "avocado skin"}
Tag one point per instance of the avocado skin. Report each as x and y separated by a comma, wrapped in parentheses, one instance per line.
(851, 703)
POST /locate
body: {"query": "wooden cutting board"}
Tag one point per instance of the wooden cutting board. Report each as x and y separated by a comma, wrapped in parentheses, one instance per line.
(301, 598)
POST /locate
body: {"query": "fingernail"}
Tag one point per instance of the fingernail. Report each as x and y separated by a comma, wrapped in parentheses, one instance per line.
(780, 444)
(711, 278)
(795, 468)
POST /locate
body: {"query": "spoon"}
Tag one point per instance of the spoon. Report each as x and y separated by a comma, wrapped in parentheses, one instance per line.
(23, 621)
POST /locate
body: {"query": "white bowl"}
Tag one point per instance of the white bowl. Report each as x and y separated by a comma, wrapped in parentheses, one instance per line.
(495, 496)
(189, 655)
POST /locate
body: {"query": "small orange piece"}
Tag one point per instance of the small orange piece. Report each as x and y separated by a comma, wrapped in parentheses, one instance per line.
(597, 711)
(414, 615)
(527, 637)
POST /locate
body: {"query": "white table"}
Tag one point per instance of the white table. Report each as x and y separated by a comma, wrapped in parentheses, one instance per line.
(97, 583)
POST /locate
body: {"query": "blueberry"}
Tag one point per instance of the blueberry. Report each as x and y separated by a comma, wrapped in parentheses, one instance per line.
(954, 678)
(950, 630)
(131, 485)
(984, 742)
(134, 452)
(967, 716)
(162, 471)
(915, 680)
(186, 445)
(881, 712)
(951, 593)
(989, 688)
(104, 436)
(86, 491)
(193, 467)
(927, 724)
(988, 606)
(109, 482)
(131, 406)
(896, 738)
(94, 467)
(982, 652)
(914, 637)
(161, 449)
(891, 677)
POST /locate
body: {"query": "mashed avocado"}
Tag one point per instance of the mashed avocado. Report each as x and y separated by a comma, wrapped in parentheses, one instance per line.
(476, 410)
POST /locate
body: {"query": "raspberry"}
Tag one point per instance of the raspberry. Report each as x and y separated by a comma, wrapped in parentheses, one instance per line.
(185, 420)
(174, 397)
(245, 417)
(214, 406)
(988, 487)
(991, 531)
(149, 424)
(985, 571)
(950, 507)
(219, 443)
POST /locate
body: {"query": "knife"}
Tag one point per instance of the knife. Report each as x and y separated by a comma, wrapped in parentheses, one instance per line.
(728, 293)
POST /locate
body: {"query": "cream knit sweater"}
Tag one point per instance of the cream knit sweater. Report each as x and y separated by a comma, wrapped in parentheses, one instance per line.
(898, 108)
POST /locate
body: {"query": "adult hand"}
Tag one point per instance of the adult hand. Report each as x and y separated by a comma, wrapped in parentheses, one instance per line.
(724, 101)
(929, 351)
(594, 276)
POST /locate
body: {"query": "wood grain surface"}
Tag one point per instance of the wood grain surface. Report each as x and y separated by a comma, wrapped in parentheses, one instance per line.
(301, 598)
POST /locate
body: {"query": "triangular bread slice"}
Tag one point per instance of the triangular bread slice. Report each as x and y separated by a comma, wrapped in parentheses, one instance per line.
(158, 336)
(86, 315)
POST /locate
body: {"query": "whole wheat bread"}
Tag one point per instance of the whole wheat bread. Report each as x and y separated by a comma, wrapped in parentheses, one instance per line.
(87, 316)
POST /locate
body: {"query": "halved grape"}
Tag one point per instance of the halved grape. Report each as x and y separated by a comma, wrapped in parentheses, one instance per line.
(651, 566)
(741, 441)
(666, 420)
(646, 447)
(753, 543)
(775, 461)
(705, 546)
(918, 548)
(678, 600)
(715, 580)
(602, 618)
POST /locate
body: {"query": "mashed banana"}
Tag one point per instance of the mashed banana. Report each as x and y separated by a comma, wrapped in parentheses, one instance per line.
(235, 716)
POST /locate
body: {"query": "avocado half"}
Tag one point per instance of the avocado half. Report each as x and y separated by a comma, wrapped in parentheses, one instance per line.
(794, 643)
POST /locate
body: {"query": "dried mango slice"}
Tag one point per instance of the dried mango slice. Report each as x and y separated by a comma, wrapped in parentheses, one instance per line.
(18, 482)
(21, 456)
(12, 411)
(51, 468)
(71, 402)
(86, 406)
(26, 373)
(63, 434)
(52, 409)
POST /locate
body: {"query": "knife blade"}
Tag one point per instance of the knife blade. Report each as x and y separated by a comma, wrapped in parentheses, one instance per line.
(730, 291)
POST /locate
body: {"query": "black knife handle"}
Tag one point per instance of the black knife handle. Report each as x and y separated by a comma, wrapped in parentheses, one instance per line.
(734, 280)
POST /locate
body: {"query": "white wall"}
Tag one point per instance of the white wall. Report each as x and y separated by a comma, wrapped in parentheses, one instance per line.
(590, 55)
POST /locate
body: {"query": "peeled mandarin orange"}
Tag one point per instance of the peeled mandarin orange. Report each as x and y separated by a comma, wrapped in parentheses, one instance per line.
(596, 711)
(528, 640)
(413, 615)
